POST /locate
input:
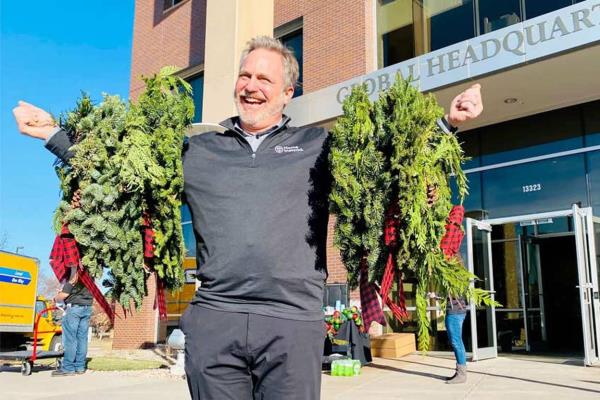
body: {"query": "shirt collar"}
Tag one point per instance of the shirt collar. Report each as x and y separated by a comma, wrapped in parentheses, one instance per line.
(237, 127)
(233, 124)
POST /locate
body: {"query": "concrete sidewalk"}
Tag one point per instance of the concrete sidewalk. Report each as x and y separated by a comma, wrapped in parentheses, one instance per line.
(412, 377)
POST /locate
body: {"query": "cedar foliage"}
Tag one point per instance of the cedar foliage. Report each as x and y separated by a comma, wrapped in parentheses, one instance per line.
(392, 150)
(126, 164)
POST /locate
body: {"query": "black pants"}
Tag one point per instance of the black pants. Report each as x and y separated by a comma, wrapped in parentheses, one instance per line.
(241, 356)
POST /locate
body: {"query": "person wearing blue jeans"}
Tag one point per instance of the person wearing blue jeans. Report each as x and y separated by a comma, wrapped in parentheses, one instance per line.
(456, 311)
(75, 323)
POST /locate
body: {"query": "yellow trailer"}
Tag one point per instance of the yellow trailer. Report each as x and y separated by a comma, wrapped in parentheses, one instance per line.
(18, 291)
(177, 301)
(19, 305)
(24, 316)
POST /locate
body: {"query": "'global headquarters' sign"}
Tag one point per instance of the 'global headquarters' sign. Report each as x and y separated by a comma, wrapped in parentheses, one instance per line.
(518, 40)
(548, 34)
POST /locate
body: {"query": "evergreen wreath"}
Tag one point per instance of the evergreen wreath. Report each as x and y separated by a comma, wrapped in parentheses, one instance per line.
(127, 168)
(391, 152)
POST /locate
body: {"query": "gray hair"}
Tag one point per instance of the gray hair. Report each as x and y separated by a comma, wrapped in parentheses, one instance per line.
(290, 64)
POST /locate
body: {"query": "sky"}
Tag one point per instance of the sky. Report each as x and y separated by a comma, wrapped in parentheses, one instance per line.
(51, 51)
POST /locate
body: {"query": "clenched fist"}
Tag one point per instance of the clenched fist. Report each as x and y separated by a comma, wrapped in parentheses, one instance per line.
(33, 121)
(466, 106)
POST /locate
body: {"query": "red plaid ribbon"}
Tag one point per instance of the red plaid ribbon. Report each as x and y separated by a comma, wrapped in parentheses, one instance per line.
(391, 241)
(371, 310)
(64, 256)
(159, 300)
(148, 234)
(454, 233)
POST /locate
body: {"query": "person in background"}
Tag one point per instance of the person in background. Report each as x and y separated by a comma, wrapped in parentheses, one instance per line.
(456, 311)
(75, 323)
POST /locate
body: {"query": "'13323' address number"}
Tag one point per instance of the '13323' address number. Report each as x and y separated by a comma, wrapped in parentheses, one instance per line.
(532, 188)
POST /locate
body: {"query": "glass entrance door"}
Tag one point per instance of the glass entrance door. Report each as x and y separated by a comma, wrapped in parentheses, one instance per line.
(571, 269)
(594, 234)
(585, 235)
(479, 261)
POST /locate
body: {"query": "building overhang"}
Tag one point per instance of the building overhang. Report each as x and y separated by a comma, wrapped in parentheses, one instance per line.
(541, 64)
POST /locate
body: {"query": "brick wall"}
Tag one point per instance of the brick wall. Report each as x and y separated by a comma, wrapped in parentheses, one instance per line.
(335, 267)
(173, 37)
(338, 36)
(136, 329)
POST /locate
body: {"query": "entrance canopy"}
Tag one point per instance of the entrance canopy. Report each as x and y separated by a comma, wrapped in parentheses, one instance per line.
(537, 65)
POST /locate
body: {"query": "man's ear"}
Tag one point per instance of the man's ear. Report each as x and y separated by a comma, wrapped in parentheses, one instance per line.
(288, 94)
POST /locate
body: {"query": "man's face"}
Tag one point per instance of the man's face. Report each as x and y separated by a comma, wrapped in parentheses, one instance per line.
(260, 91)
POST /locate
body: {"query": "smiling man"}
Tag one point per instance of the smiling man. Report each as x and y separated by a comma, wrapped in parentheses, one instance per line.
(260, 92)
(258, 194)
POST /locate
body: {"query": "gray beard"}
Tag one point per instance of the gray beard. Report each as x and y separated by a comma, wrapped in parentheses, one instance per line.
(250, 118)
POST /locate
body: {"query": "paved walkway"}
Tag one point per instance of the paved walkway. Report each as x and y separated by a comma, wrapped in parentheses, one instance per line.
(412, 377)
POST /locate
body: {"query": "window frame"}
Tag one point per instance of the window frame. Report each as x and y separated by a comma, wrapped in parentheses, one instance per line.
(191, 73)
(169, 5)
(288, 29)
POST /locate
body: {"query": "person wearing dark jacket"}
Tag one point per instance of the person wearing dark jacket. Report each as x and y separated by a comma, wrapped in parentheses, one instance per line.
(258, 195)
(75, 323)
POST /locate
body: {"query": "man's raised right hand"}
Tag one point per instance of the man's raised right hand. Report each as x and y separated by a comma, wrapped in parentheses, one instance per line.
(33, 121)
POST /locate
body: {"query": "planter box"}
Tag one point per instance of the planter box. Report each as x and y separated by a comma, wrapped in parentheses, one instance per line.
(393, 345)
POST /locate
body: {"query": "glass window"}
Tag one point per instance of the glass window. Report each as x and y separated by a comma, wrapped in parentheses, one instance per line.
(494, 14)
(591, 123)
(406, 29)
(470, 143)
(593, 167)
(398, 45)
(171, 3)
(189, 240)
(507, 281)
(197, 83)
(294, 41)
(535, 8)
(535, 187)
(440, 23)
(334, 293)
(395, 32)
(472, 201)
(540, 134)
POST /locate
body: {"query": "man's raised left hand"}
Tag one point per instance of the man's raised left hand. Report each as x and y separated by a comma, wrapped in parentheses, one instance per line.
(466, 106)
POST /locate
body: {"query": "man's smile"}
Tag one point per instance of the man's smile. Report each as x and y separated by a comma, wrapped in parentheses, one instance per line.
(251, 102)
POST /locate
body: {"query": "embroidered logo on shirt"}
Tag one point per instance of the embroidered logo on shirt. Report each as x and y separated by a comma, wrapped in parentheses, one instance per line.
(288, 149)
